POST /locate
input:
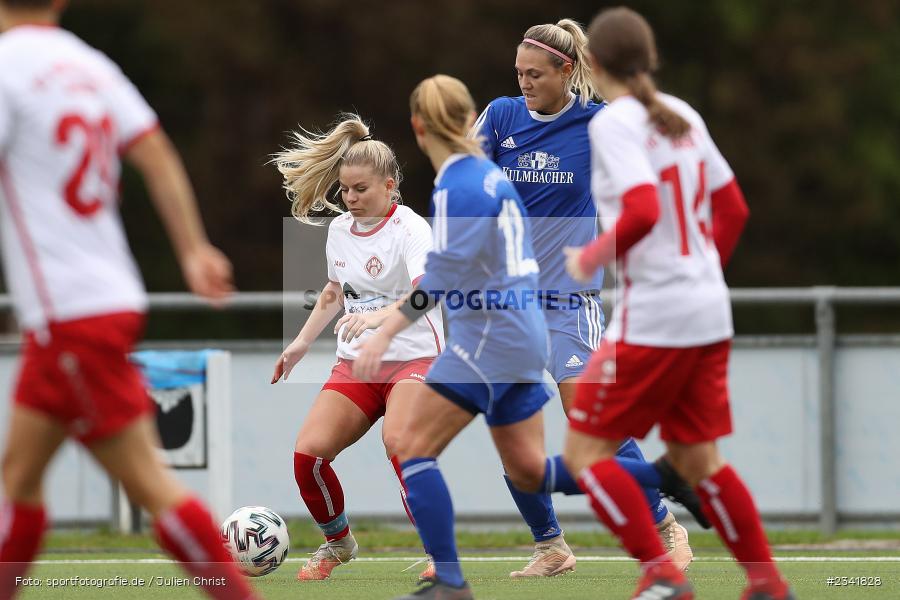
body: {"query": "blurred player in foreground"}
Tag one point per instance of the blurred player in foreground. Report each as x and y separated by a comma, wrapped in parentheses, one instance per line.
(376, 254)
(540, 140)
(672, 214)
(66, 114)
(496, 350)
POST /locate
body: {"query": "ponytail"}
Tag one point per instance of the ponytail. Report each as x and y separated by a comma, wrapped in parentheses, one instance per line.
(446, 108)
(664, 119)
(311, 166)
(581, 81)
(621, 41)
(569, 39)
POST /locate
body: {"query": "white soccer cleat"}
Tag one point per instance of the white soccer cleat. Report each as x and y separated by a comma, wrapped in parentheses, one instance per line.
(550, 558)
(675, 539)
(327, 557)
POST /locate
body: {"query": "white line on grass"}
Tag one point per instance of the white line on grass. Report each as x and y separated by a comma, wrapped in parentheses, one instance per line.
(404, 559)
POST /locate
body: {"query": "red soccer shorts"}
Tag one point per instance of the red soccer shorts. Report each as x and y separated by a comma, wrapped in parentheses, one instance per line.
(80, 375)
(627, 389)
(371, 396)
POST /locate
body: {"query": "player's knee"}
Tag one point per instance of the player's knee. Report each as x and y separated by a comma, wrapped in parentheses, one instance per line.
(526, 471)
(692, 473)
(154, 488)
(392, 442)
(577, 457)
(317, 448)
(529, 481)
(695, 462)
(412, 445)
(575, 463)
(20, 482)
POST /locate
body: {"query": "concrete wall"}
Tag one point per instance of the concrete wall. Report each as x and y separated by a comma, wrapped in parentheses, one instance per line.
(775, 445)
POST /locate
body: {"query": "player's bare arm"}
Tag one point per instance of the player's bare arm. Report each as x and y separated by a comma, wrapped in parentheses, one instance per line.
(328, 305)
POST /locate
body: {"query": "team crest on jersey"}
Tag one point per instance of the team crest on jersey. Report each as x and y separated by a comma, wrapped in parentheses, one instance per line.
(538, 161)
(374, 267)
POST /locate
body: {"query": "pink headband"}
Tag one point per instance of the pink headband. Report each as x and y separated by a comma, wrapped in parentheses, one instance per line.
(549, 49)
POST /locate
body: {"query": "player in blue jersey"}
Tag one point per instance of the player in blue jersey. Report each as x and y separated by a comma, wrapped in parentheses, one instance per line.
(484, 270)
(540, 140)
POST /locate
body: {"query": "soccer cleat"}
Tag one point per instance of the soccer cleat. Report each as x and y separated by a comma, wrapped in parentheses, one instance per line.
(435, 589)
(675, 539)
(663, 582)
(771, 590)
(677, 489)
(429, 573)
(550, 558)
(327, 557)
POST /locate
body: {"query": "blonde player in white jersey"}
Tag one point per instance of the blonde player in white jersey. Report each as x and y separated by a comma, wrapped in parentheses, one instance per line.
(376, 254)
(672, 213)
(67, 113)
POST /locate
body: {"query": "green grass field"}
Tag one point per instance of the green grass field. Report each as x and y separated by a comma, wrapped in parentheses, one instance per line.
(383, 570)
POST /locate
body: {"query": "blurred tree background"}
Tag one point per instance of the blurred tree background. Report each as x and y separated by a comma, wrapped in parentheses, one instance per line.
(802, 97)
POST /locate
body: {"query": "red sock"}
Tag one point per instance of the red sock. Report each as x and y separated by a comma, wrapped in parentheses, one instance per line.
(728, 505)
(619, 502)
(21, 531)
(396, 464)
(187, 533)
(322, 492)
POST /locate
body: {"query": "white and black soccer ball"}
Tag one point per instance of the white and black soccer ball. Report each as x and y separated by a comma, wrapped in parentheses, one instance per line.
(257, 539)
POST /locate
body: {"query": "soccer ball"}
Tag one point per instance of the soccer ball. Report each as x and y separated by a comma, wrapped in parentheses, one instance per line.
(257, 539)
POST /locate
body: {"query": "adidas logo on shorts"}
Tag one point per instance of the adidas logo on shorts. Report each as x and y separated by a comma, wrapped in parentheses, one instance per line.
(508, 143)
(574, 362)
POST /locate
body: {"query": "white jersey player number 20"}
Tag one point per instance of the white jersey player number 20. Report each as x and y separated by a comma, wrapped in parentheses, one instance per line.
(96, 162)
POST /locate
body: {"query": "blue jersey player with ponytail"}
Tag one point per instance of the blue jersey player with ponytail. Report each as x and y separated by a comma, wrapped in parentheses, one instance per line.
(484, 270)
(540, 141)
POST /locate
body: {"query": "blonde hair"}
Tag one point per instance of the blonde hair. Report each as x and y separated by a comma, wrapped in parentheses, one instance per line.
(568, 37)
(311, 166)
(446, 107)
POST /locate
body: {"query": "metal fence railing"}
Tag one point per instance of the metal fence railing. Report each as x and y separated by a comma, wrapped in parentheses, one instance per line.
(823, 300)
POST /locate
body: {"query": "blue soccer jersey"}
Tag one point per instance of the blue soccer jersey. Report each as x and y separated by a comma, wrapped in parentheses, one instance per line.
(547, 158)
(484, 269)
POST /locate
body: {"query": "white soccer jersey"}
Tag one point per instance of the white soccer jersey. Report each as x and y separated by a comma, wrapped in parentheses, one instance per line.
(375, 268)
(66, 112)
(670, 290)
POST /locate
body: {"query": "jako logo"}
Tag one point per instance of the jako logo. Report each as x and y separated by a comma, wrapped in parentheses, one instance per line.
(374, 267)
(340, 263)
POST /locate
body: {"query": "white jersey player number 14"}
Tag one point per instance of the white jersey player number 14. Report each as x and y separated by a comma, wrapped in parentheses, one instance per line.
(674, 190)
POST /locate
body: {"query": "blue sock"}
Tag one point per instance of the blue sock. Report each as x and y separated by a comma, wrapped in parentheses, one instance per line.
(558, 479)
(630, 458)
(429, 501)
(537, 511)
